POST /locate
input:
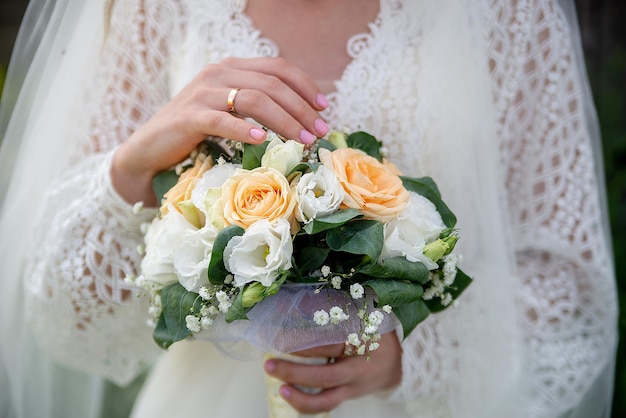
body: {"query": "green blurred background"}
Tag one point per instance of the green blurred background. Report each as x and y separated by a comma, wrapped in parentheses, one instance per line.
(604, 42)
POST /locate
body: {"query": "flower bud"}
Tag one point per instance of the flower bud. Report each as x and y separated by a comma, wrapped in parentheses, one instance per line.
(256, 292)
(451, 241)
(436, 249)
(338, 139)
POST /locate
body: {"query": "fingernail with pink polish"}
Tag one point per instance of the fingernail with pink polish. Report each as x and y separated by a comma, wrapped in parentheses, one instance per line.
(270, 366)
(257, 134)
(285, 392)
(306, 137)
(321, 101)
(321, 127)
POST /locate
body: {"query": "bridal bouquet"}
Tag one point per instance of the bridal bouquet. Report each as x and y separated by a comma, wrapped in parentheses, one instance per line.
(331, 235)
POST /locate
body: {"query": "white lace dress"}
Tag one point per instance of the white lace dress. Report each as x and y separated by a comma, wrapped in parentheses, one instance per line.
(560, 280)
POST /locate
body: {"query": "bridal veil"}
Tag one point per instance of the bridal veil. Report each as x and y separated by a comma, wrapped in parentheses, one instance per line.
(57, 47)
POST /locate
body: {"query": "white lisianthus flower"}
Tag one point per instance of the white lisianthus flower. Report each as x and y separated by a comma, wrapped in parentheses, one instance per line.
(356, 291)
(407, 234)
(318, 194)
(387, 309)
(191, 258)
(260, 253)
(162, 239)
(321, 317)
(282, 156)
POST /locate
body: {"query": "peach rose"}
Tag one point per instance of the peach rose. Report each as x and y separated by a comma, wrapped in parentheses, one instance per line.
(370, 185)
(262, 193)
(179, 196)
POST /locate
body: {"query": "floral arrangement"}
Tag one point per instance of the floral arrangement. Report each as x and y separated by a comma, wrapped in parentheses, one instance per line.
(234, 230)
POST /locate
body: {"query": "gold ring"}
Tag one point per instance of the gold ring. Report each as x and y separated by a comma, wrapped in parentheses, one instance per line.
(230, 102)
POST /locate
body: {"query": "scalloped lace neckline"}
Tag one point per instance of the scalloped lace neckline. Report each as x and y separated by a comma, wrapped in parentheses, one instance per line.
(355, 49)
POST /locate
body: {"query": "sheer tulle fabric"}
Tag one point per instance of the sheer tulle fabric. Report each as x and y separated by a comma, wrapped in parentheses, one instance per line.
(486, 97)
(38, 135)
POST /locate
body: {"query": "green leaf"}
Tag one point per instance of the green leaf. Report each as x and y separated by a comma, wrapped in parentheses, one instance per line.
(324, 144)
(162, 182)
(303, 168)
(161, 334)
(217, 271)
(237, 311)
(358, 237)
(395, 292)
(177, 303)
(426, 187)
(252, 155)
(410, 315)
(461, 282)
(331, 221)
(309, 259)
(365, 142)
(397, 268)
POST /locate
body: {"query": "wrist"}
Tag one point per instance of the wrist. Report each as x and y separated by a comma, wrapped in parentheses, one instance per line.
(130, 181)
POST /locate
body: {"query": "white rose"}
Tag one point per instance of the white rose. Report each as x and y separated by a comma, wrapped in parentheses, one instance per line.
(318, 194)
(162, 239)
(282, 156)
(208, 188)
(260, 253)
(407, 234)
(191, 258)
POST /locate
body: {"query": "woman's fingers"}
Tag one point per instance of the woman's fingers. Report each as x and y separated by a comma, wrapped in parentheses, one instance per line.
(346, 378)
(325, 401)
(281, 105)
(310, 375)
(291, 75)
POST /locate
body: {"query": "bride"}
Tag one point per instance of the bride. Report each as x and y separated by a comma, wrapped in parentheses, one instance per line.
(488, 97)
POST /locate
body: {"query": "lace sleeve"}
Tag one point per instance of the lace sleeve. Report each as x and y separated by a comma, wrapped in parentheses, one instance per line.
(562, 256)
(81, 310)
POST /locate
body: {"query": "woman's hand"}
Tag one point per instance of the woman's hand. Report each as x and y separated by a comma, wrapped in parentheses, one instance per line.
(273, 92)
(346, 378)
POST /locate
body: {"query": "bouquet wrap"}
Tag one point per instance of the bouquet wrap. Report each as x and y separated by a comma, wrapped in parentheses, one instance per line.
(284, 322)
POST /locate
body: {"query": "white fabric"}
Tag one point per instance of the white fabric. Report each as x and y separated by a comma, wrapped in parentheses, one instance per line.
(488, 97)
